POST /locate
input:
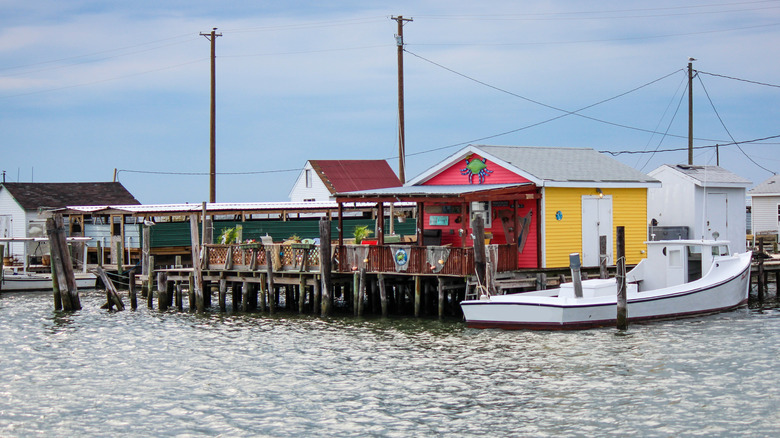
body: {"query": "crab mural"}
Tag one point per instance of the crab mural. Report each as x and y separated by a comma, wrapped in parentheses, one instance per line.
(476, 167)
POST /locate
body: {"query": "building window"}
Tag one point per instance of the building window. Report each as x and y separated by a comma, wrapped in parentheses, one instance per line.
(481, 208)
(308, 178)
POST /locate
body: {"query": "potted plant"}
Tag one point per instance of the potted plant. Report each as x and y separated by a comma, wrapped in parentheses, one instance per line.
(230, 235)
(360, 233)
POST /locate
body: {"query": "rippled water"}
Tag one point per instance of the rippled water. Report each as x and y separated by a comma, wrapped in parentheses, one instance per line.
(146, 373)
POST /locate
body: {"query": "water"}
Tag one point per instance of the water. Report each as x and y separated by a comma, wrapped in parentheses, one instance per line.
(146, 373)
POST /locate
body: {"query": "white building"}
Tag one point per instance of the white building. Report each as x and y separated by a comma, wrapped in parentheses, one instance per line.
(709, 200)
(320, 179)
(765, 210)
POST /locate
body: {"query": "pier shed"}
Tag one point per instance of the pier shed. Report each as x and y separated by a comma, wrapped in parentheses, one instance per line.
(543, 202)
(23, 207)
(708, 200)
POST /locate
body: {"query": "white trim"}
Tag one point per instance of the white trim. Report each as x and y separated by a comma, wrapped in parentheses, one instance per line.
(603, 184)
(542, 228)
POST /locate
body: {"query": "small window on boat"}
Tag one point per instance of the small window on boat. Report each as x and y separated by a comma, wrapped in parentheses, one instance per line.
(721, 250)
(675, 258)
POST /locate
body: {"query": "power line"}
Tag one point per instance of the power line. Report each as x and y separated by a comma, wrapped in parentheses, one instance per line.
(727, 130)
(616, 153)
(259, 172)
(738, 79)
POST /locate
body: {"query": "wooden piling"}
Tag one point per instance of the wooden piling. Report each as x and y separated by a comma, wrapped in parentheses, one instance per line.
(417, 295)
(246, 293)
(191, 300)
(222, 294)
(317, 298)
(112, 296)
(440, 291)
(149, 284)
(622, 302)
(480, 259)
(119, 258)
(301, 293)
(197, 284)
(131, 289)
(361, 291)
(271, 295)
(162, 291)
(382, 294)
(325, 266)
(235, 295)
(355, 292)
(179, 299)
(61, 264)
(760, 280)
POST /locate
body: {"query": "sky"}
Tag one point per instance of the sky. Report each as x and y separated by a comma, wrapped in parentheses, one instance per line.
(89, 88)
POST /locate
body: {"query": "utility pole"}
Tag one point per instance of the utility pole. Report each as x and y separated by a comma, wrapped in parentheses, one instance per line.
(690, 110)
(399, 39)
(212, 36)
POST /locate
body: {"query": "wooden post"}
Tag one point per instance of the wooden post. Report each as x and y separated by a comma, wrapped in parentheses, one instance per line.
(361, 291)
(382, 294)
(119, 258)
(162, 291)
(245, 294)
(760, 273)
(480, 259)
(271, 295)
(576, 274)
(325, 265)
(112, 296)
(61, 264)
(317, 300)
(99, 250)
(150, 284)
(622, 302)
(301, 292)
(191, 292)
(440, 291)
(54, 283)
(146, 251)
(263, 286)
(602, 256)
(222, 294)
(131, 289)
(196, 264)
(179, 300)
(417, 295)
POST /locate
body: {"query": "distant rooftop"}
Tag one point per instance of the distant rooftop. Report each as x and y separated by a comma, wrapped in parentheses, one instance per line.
(351, 175)
(769, 187)
(33, 196)
(708, 174)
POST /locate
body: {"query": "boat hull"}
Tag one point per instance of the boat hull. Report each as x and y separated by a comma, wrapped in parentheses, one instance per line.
(38, 282)
(519, 311)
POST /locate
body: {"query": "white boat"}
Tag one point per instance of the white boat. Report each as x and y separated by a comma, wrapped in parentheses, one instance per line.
(667, 284)
(32, 281)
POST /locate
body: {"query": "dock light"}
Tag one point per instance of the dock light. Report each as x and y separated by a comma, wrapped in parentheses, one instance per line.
(365, 260)
(601, 194)
(441, 262)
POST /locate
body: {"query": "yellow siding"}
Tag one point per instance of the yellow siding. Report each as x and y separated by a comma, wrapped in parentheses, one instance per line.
(563, 237)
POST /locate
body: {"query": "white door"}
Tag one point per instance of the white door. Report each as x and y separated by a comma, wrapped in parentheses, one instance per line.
(596, 222)
(6, 226)
(716, 216)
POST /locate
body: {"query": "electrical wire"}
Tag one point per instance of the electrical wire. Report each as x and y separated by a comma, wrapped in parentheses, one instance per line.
(727, 129)
(738, 79)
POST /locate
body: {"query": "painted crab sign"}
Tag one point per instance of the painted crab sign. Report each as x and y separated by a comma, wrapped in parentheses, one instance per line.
(476, 167)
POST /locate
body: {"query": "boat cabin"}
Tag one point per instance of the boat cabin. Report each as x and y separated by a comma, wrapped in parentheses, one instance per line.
(673, 262)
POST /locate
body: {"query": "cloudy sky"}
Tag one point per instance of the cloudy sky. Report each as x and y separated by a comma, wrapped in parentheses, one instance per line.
(87, 87)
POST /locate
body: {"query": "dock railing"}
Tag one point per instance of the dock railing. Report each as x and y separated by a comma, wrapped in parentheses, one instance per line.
(401, 259)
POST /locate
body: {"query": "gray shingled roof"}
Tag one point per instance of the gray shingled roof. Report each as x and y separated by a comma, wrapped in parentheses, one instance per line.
(566, 164)
(32, 196)
(709, 174)
(768, 187)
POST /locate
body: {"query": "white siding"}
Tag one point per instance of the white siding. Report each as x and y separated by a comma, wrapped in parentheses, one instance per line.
(317, 192)
(9, 206)
(765, 214)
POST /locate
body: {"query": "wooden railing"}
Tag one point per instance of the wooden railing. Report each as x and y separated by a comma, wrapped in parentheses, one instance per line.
(305, 257)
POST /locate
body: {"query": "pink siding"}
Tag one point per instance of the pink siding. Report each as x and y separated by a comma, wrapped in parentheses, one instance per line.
(454, 176)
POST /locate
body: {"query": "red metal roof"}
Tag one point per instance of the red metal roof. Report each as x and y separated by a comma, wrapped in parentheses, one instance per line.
(351, 175)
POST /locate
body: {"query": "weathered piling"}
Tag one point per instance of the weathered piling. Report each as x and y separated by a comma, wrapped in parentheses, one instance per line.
(222, 294)
(162, 291)
(271, 294)
(761, 279)
(131, 289)
(150, 284)
(382, 294)
(417, 295)
(112, 296)
(197, 283)
(61, 265)
(622, 302)
(325, 267)
(440, 291)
